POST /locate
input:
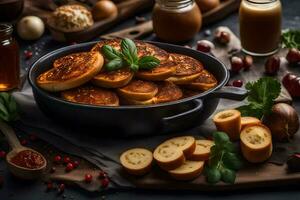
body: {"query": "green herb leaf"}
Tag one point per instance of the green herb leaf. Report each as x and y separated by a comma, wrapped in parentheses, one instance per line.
(148, 62)
(8, 107)
(291, 39)
(111, 53)
(223, 160)
(129, 51)
(114, 64)
(261, 96)
(213, 175)
(228, 175)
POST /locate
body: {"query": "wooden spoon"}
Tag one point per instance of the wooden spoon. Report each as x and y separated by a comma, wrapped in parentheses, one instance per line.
(18, 171)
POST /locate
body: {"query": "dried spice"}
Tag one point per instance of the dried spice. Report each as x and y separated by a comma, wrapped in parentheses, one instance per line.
(28, 159)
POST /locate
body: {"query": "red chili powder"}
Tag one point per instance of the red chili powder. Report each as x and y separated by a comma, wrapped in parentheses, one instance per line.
(28, 159)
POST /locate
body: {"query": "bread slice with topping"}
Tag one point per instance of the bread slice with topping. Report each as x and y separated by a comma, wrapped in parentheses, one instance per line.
(204, 82)
(137, 161)
(168, 156)
(113, 79)
(256, 143)
(245, 121)
(202, 151)
(91, 95)
(187, 144)
(188, 171)
(71, 74)
(138, 90)
(187, 69)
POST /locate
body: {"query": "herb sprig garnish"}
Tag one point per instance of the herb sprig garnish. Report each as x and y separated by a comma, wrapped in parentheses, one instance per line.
(8, 107)
(127, 57)
(261, 97)
(291, 38)
(224, 160)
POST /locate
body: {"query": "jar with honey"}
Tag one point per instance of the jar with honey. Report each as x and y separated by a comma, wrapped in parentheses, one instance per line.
(176, 20)
(260, 26)
(9, 59)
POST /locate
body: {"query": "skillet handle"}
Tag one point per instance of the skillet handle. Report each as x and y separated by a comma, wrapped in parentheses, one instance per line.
(198, 107)
(230, 92)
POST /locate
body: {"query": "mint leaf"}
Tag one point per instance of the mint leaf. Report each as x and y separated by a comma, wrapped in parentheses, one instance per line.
(114, 64)
(8, 107)
(261, 97)
(228, 175)
(291, 39)
(148, 62)
(110, 53)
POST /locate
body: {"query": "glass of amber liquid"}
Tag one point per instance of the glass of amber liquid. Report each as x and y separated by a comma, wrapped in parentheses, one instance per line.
(260, 26)
(9, 59)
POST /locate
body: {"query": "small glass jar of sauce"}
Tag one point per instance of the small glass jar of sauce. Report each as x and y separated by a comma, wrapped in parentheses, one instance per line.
(176, 20)
(260, 26)
(9, 59)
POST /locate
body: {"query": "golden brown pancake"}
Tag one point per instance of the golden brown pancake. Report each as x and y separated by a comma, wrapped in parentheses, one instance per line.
(204, 82)
(113, 79)
(187, 69)
(138, 90)
(163, 71)
(167, 92)
(71, 74)
(66, 60)
(91, 95)
(143, 48)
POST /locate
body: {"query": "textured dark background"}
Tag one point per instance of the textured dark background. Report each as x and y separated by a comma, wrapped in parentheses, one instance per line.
(13, 189)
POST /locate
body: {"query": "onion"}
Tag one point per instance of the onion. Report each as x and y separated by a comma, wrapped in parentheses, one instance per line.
(104, 9)
(283, 121)
(30, 28)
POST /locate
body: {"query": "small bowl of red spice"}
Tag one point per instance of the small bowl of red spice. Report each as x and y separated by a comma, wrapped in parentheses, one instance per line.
(26, 163)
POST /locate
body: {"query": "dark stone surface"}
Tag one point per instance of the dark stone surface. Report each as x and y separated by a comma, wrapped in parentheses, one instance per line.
(16, 189)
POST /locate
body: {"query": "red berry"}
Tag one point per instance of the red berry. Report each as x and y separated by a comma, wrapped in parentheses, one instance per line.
(104, 182)
(67, 159)
(222, 37)
(75, 163)
(32, 137)
(237, 83)
(57, 158)
(2, 154)
(293, 56)
(28, 54)
(88, 178)
(272, 65)
(61, 188)
(102, 174)
(248, 62)
(23, 142)
(69, 167)
(49, 186)
(204, 46)
(236, 64)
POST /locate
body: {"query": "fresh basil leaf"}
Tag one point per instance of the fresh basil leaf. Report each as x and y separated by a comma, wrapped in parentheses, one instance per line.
(213, 175)
(129, 50)
(134, 67)
(8, 107)
(229, 147)
(231, 161)
(228, 175)
(114, 64)
(110, 53)
(148, 62)
(220, 137)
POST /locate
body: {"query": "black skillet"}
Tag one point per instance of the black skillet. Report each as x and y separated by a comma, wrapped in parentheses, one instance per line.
(135, 120)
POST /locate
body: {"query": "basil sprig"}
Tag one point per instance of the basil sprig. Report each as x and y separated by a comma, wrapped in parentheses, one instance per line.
(8, 107)
(224, 160)
(127, 57)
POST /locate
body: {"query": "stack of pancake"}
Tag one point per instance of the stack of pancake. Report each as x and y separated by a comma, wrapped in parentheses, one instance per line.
(81, 78)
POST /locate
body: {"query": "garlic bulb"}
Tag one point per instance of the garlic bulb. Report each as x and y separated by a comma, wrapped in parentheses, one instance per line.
(30, 28)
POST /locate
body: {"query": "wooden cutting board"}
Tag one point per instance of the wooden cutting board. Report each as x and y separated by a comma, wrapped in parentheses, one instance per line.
(146, 28)
(125, 9)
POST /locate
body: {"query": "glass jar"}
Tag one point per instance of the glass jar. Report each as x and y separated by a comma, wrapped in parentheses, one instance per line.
(260, 26)
(9, 59)
(176, 20)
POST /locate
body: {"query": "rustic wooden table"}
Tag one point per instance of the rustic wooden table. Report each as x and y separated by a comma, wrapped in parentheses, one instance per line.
(14, 189)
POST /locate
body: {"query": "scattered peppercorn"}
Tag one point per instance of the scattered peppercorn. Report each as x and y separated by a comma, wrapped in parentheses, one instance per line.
(105, 182)
(61, 188)
(102, 174)
(293, 56)
(272, 65)
(52, 170)
(67, 160)
(2, 154)
(237, 83)
(236, 64)
(28, 54)
(88, 178)
(222, 37)
(75, 163)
